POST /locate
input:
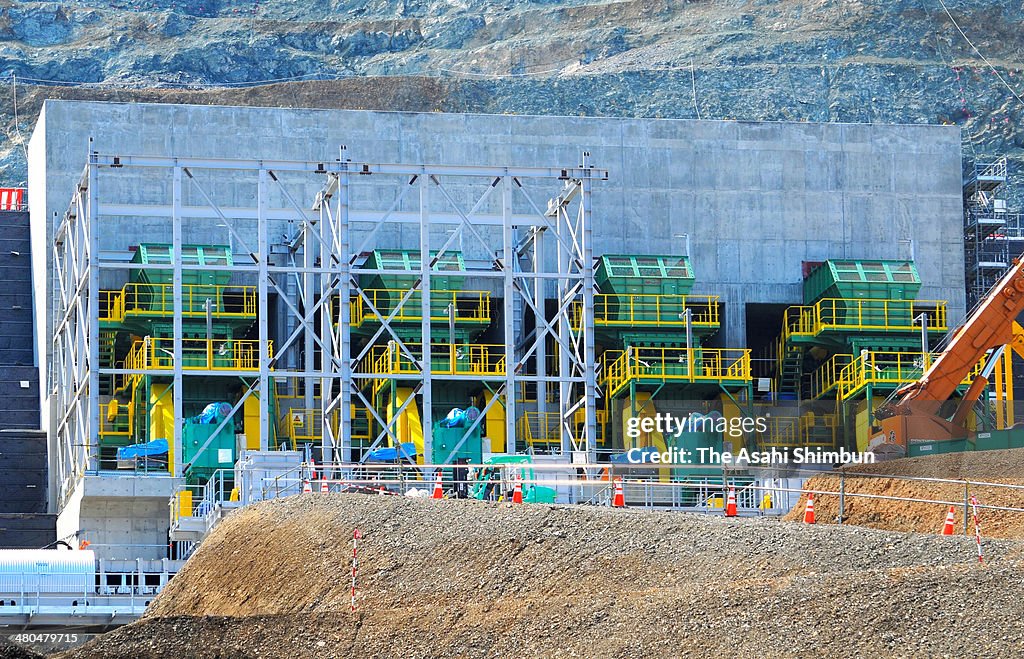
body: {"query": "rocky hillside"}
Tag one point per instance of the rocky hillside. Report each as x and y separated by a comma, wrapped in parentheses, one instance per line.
(814, 60)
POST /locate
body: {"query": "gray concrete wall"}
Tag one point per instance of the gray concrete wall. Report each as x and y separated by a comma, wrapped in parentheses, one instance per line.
(757, 199)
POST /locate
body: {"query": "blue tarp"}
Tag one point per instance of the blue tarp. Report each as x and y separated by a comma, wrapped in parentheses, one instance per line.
(459, 418)
(212, 413)
(390, 454)
(147, 450)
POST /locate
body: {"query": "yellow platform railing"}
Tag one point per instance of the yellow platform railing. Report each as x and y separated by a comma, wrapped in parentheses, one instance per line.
(157, 354)
(782, 431)
(117, 419)
(793, 431)
(479, 359)
(469, 306)
(856, 315)
(544, 428)
(826, 377)
(157, 300)
(651, 310)
(704, 365)
(888, 369)
(306, 424)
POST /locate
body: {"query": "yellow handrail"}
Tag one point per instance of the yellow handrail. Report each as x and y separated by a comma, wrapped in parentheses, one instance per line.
(888, 369)
(109, 422)
(826, 377)
(549, 430)
(791, 431)
(306, 424)
(469, 306)
(678, 365)
(446, 359)
(157, 354)
(650, 310)
(157, 300)
(863, 314)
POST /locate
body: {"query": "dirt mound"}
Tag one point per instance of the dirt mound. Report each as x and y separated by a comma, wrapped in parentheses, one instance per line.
(993, 466)
(9, 650)
(455, 578)
(985, 466)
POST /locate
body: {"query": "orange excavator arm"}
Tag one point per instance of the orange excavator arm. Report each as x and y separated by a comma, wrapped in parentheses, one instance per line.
(912, 411)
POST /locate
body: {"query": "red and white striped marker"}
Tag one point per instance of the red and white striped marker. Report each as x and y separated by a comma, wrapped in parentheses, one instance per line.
(11, 199)
(324, 487)
(356, 536)
(977, 529)
(306, 487)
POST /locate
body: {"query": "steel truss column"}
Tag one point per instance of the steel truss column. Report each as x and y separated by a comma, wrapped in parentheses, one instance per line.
(345, 318)
(540, 303)
(91, 315)
(177, 386)
(328, 288)
(263, 305)
(426, 266)
(587, 321)
(509, 261)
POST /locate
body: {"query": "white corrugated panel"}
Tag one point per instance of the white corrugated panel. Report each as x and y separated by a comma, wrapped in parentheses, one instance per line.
(46, 571)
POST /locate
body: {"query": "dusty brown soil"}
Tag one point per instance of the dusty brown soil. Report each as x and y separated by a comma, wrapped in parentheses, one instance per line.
(456, 578)
(981, 466)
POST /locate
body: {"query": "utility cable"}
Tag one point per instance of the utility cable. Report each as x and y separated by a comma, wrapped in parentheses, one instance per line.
(978, 52)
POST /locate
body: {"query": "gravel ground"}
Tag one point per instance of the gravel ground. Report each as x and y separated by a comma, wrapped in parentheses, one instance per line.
(456, 578)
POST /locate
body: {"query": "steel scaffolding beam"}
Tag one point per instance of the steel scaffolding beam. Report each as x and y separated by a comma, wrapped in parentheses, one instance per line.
(306, 263)
(427, 190)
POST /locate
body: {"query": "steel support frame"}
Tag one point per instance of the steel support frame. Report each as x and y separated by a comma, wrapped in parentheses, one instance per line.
(425, 187)
(328, 271)
(86, 233)
(73, 378)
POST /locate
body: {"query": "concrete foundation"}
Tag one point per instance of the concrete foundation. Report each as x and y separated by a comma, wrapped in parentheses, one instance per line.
(120, 515)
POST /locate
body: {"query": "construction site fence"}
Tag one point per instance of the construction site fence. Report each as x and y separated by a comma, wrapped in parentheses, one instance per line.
(649, 486)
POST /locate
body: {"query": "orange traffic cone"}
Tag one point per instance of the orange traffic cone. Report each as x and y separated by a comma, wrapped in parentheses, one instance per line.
(809, 511)
(382, 491)
(730, 505)
(950, 522)
(438, 490)
(619, 500)
(306, 487)
(324, 487)
(517, 492)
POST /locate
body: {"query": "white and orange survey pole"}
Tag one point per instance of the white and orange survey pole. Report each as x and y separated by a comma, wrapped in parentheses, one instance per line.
(977, 528)
(356, 535)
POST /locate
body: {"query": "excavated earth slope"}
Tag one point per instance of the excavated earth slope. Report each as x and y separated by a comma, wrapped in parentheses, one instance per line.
(473, 579)
(981, 466)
